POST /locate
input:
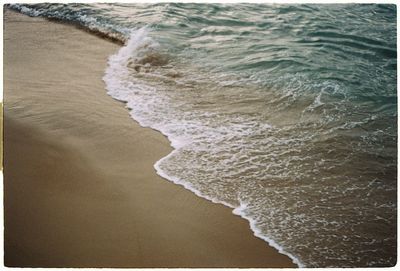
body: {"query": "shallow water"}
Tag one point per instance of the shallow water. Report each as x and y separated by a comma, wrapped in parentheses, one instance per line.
(287, 113)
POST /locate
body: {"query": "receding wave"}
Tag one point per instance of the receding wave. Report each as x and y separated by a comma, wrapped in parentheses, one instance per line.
(246, 161)
(285, 113)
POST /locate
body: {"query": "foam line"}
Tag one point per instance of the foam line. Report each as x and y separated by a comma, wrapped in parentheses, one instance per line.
(117, 66)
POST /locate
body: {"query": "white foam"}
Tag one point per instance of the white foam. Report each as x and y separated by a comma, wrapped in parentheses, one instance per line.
(117, 86)
(240, 211)
(236, 210)
(26, 10)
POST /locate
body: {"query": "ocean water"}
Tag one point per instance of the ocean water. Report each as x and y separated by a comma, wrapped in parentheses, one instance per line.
(285, 113)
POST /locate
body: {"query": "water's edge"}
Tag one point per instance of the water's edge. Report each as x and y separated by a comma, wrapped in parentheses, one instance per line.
(289, 118)
(236, 210)
(239, 211)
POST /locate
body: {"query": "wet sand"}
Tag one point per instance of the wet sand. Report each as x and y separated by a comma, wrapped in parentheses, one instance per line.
(80, 189)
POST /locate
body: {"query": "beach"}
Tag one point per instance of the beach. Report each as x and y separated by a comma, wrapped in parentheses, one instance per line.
(80, 189)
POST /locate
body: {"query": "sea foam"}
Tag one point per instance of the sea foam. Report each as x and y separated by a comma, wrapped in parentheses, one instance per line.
(295, 130)
(122, 85)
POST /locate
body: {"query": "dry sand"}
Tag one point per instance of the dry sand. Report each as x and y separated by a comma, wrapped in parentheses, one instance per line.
(79, 185)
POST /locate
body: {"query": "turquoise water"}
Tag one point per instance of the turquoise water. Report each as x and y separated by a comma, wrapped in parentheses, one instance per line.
(286, 113)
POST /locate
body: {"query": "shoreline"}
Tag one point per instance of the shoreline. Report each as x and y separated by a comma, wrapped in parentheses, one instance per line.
(80, 189)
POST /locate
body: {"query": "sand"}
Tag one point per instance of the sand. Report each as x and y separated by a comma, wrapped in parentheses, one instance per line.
(80, 189)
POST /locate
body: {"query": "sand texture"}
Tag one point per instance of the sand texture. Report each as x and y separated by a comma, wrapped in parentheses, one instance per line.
(80, 189)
